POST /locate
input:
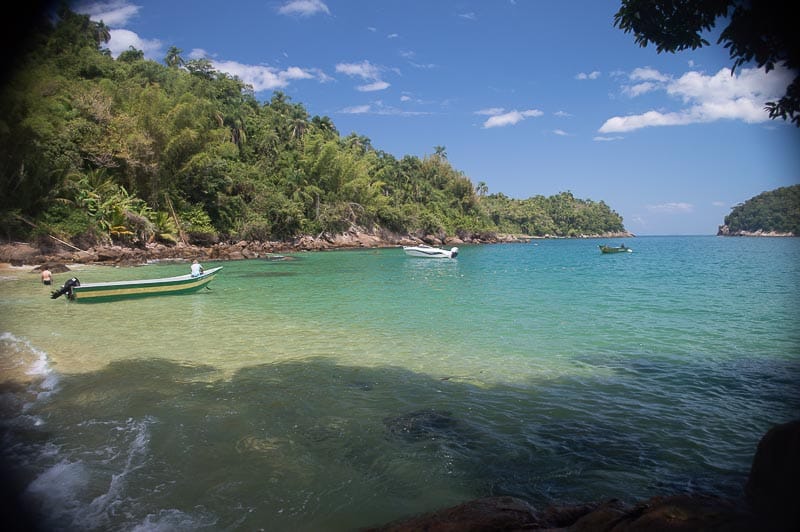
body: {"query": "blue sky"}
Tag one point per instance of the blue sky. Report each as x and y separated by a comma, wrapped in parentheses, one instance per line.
(528, 96)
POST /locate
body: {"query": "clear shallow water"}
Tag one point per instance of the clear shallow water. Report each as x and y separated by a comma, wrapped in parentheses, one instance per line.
(345, 389)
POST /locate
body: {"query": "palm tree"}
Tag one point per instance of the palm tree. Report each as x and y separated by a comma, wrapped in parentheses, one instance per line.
(325, 125)
(101, 32)
(173, 58)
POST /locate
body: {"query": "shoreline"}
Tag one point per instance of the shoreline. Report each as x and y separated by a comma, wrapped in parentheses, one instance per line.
(53, 254)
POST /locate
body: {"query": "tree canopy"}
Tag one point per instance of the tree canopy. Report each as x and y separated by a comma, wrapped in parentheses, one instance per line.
(95, 149)
(763, 32)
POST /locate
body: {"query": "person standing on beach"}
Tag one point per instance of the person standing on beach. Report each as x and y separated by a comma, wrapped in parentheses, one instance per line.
(47, 277)
(197, 269)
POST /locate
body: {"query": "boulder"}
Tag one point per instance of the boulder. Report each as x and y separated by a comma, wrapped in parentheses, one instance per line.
(19, 253)
(675, 513)
(54, 267)
(84, 257)
(491, 513)
(773, 486)
(109, 254)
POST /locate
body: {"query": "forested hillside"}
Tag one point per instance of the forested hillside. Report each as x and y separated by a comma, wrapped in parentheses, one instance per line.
(95, 149)
(775, 211)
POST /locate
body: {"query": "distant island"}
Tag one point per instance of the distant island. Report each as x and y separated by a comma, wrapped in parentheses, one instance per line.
(772, 213)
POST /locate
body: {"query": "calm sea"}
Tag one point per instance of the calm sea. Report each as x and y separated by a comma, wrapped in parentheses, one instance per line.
(339, 390)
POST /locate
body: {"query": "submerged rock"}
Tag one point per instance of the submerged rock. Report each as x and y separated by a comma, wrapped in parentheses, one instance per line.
(422, 425)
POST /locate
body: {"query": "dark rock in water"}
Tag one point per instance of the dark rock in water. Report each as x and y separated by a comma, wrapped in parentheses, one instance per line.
(773, 487)
(422, 425)
(679, 513)
(493, 513)
(360, 385)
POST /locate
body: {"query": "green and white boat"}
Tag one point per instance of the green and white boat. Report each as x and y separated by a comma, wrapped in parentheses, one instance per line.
(181, 284)
(611, 249)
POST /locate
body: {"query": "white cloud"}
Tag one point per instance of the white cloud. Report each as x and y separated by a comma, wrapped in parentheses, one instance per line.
(607, 139)
(671, 208)
(591, 75)
(719, 204)
(379, 108)
(499, 118)
(356, 110)
(263, 78)
(366, 71)
(648, 74)
(122, 40)
(490, 111)
(304, 8)
(393, 36)
(198, 53)
(375, 86)
(706, 98)
(469, 16)
(560, 133)
(115, 14)
(640, 88)
(562, 114)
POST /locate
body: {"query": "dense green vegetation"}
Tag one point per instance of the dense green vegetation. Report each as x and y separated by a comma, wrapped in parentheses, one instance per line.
(95, 149)
(774, 211)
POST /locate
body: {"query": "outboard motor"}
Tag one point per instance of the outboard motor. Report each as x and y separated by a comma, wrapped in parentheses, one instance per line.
(453, 253)
(66, 289)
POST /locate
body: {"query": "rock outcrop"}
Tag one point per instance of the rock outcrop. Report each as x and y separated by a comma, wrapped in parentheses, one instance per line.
(724, 230)
(772, 503)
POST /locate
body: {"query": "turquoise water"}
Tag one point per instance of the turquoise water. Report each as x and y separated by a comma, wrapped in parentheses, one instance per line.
(339, 390)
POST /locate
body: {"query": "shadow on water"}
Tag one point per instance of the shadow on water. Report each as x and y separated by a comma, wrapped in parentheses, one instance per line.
(312, 444)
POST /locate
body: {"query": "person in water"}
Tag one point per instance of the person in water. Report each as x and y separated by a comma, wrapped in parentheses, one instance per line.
(47, 277)
(197, 269)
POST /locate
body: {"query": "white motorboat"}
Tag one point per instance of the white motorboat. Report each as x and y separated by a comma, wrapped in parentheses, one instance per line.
(430, 252)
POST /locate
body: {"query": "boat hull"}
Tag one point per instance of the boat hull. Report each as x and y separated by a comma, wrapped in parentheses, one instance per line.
(430, 252)
(608, 249)
(94, 292)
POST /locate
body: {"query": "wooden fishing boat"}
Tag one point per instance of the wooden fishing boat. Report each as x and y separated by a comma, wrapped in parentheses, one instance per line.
(181, 284)
(611, 249)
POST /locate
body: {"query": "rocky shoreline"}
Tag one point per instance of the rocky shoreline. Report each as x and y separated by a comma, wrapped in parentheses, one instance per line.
(58, 252)
(724, 230)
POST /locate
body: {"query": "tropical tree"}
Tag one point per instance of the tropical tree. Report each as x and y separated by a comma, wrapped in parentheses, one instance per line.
(173, 58)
